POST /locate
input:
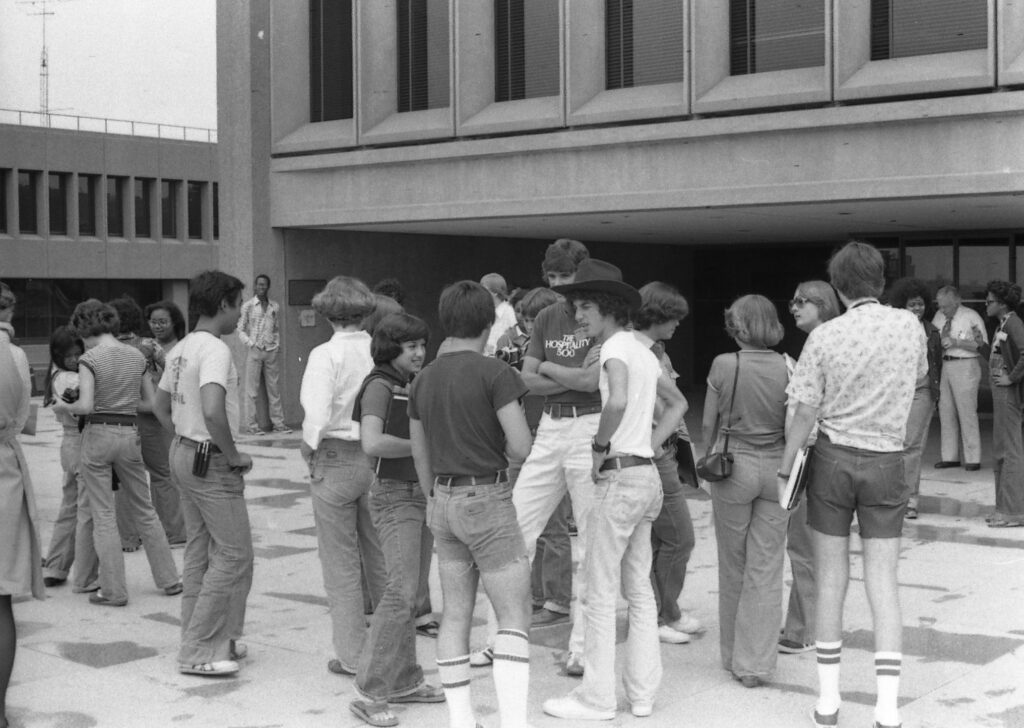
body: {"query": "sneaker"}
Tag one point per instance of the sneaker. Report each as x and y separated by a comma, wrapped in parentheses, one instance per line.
(792, 647)
(831, 720)
(548, 618)
(641, 709)
(94, 586)
(52, 581)
(102, 601)
(174, 589)
(574, 666)
(282, 430)
(481, 658)
(672, 636)
(687, 623)
(572, 709)
(254, 431)
(337, 668)
(911, 513)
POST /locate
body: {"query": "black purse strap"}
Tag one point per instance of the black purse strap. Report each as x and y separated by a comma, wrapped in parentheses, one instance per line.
(732, 401)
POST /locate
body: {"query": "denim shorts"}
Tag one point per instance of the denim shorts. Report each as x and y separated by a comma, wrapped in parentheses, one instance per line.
(844, 480)
(476, 524)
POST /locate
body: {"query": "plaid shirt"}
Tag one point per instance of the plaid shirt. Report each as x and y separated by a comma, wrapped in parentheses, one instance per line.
(257, 328)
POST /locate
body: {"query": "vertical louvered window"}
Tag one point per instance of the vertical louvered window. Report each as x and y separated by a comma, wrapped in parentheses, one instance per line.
(526, 49)
(775, 35)
(643, 42)
(330, 60)
(901, 28)
(423, 77)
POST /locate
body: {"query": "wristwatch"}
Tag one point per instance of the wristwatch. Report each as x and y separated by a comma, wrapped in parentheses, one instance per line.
(603, 449)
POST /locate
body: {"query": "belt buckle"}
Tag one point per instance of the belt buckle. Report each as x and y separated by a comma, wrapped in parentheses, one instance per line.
(555, 411)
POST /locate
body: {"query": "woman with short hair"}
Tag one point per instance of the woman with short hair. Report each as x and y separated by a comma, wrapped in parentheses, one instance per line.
(1006, 365)
(746, 398)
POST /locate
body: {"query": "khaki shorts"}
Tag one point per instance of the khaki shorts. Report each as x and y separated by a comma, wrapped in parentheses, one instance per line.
(845, 480)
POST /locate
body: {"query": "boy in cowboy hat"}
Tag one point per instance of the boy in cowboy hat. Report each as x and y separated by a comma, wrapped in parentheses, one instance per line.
(626, 501)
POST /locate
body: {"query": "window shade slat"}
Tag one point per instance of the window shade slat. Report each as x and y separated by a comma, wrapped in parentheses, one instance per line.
(775, 35)
(643, 42)
(526, 49)
(903, 28)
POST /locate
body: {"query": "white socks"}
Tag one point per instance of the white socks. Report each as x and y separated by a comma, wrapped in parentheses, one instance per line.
(454, 674)
(512, 676)
(828, 676)
(888, 666)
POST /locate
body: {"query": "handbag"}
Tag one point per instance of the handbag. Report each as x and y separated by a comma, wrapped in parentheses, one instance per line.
(717, 466)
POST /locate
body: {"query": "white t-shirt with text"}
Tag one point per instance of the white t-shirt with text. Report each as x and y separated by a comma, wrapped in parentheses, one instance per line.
(198, 359)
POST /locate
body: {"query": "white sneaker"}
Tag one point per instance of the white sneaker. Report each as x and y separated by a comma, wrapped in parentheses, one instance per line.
(571, 708)
(641, 709)
(672, 636)
(481, 658)
(687, 623)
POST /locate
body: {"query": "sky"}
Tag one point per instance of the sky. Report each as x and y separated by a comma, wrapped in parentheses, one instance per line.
(138, 60)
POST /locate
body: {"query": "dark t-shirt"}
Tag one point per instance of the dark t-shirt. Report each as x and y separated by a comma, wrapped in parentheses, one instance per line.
(456, 398)
(376, 401)
(554, 340)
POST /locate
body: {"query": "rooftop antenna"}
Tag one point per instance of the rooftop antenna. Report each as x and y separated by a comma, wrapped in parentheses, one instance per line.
(42, 9)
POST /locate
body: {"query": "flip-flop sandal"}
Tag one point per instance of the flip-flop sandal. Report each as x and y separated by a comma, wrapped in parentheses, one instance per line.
(426, 694)
(430, 629)
(220, 668)
(376, 714)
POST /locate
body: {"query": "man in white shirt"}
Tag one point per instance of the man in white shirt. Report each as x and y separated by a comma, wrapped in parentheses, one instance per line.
(963, 333)
(259, 329)
(198, 400)
(627, 498)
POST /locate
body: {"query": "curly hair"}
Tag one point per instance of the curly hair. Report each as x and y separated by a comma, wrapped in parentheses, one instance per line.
(1006, 292)
(129, 313)
(177, 319)
(93, 317)
(753, 319)
(608, 304)
(905, 289)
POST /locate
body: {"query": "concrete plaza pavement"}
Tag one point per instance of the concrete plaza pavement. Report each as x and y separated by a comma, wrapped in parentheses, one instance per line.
(78, 665)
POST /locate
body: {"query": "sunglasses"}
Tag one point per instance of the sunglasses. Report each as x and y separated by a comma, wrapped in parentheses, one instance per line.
(799, 301)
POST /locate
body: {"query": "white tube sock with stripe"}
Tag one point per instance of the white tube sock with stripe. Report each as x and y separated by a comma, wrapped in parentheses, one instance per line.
(512, 676)
(454, 674)
(828, 676)
(888, 666)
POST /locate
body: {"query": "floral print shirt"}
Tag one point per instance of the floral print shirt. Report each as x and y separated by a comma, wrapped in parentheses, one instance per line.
(860, 370)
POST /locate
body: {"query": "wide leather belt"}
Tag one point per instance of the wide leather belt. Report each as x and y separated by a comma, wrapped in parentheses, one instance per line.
(127, 420)
(558, 411)
(457, 480)
(195, 443)
(624, 461)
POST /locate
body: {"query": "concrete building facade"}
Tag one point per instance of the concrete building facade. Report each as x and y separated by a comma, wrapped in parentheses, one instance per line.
(99, 214)
(726, 147)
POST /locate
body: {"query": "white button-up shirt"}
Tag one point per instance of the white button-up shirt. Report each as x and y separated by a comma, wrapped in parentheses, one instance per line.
(334, 374)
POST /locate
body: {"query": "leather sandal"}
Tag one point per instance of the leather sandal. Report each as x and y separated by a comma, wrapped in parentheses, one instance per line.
(425, 694)
(375, 714)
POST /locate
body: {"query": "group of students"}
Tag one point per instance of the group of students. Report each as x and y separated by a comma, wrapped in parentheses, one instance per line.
(405, 459)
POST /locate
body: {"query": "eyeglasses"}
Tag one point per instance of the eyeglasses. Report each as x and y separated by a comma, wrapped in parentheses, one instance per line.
(799, 301)
(990, 301)
(159, 323)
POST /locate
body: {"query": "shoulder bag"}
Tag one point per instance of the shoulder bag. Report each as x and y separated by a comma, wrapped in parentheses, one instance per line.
(717, 466)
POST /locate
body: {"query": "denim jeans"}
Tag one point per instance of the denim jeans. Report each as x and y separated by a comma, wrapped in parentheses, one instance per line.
(750, 528)
(62, 544)
(551, 573)
(117, 446)
(340, 484)
(624, 506)
(387, 667)
(921, 410)
(156, 446)
(218, 556)
(672, 539)
(803, 598)
(559, 462)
